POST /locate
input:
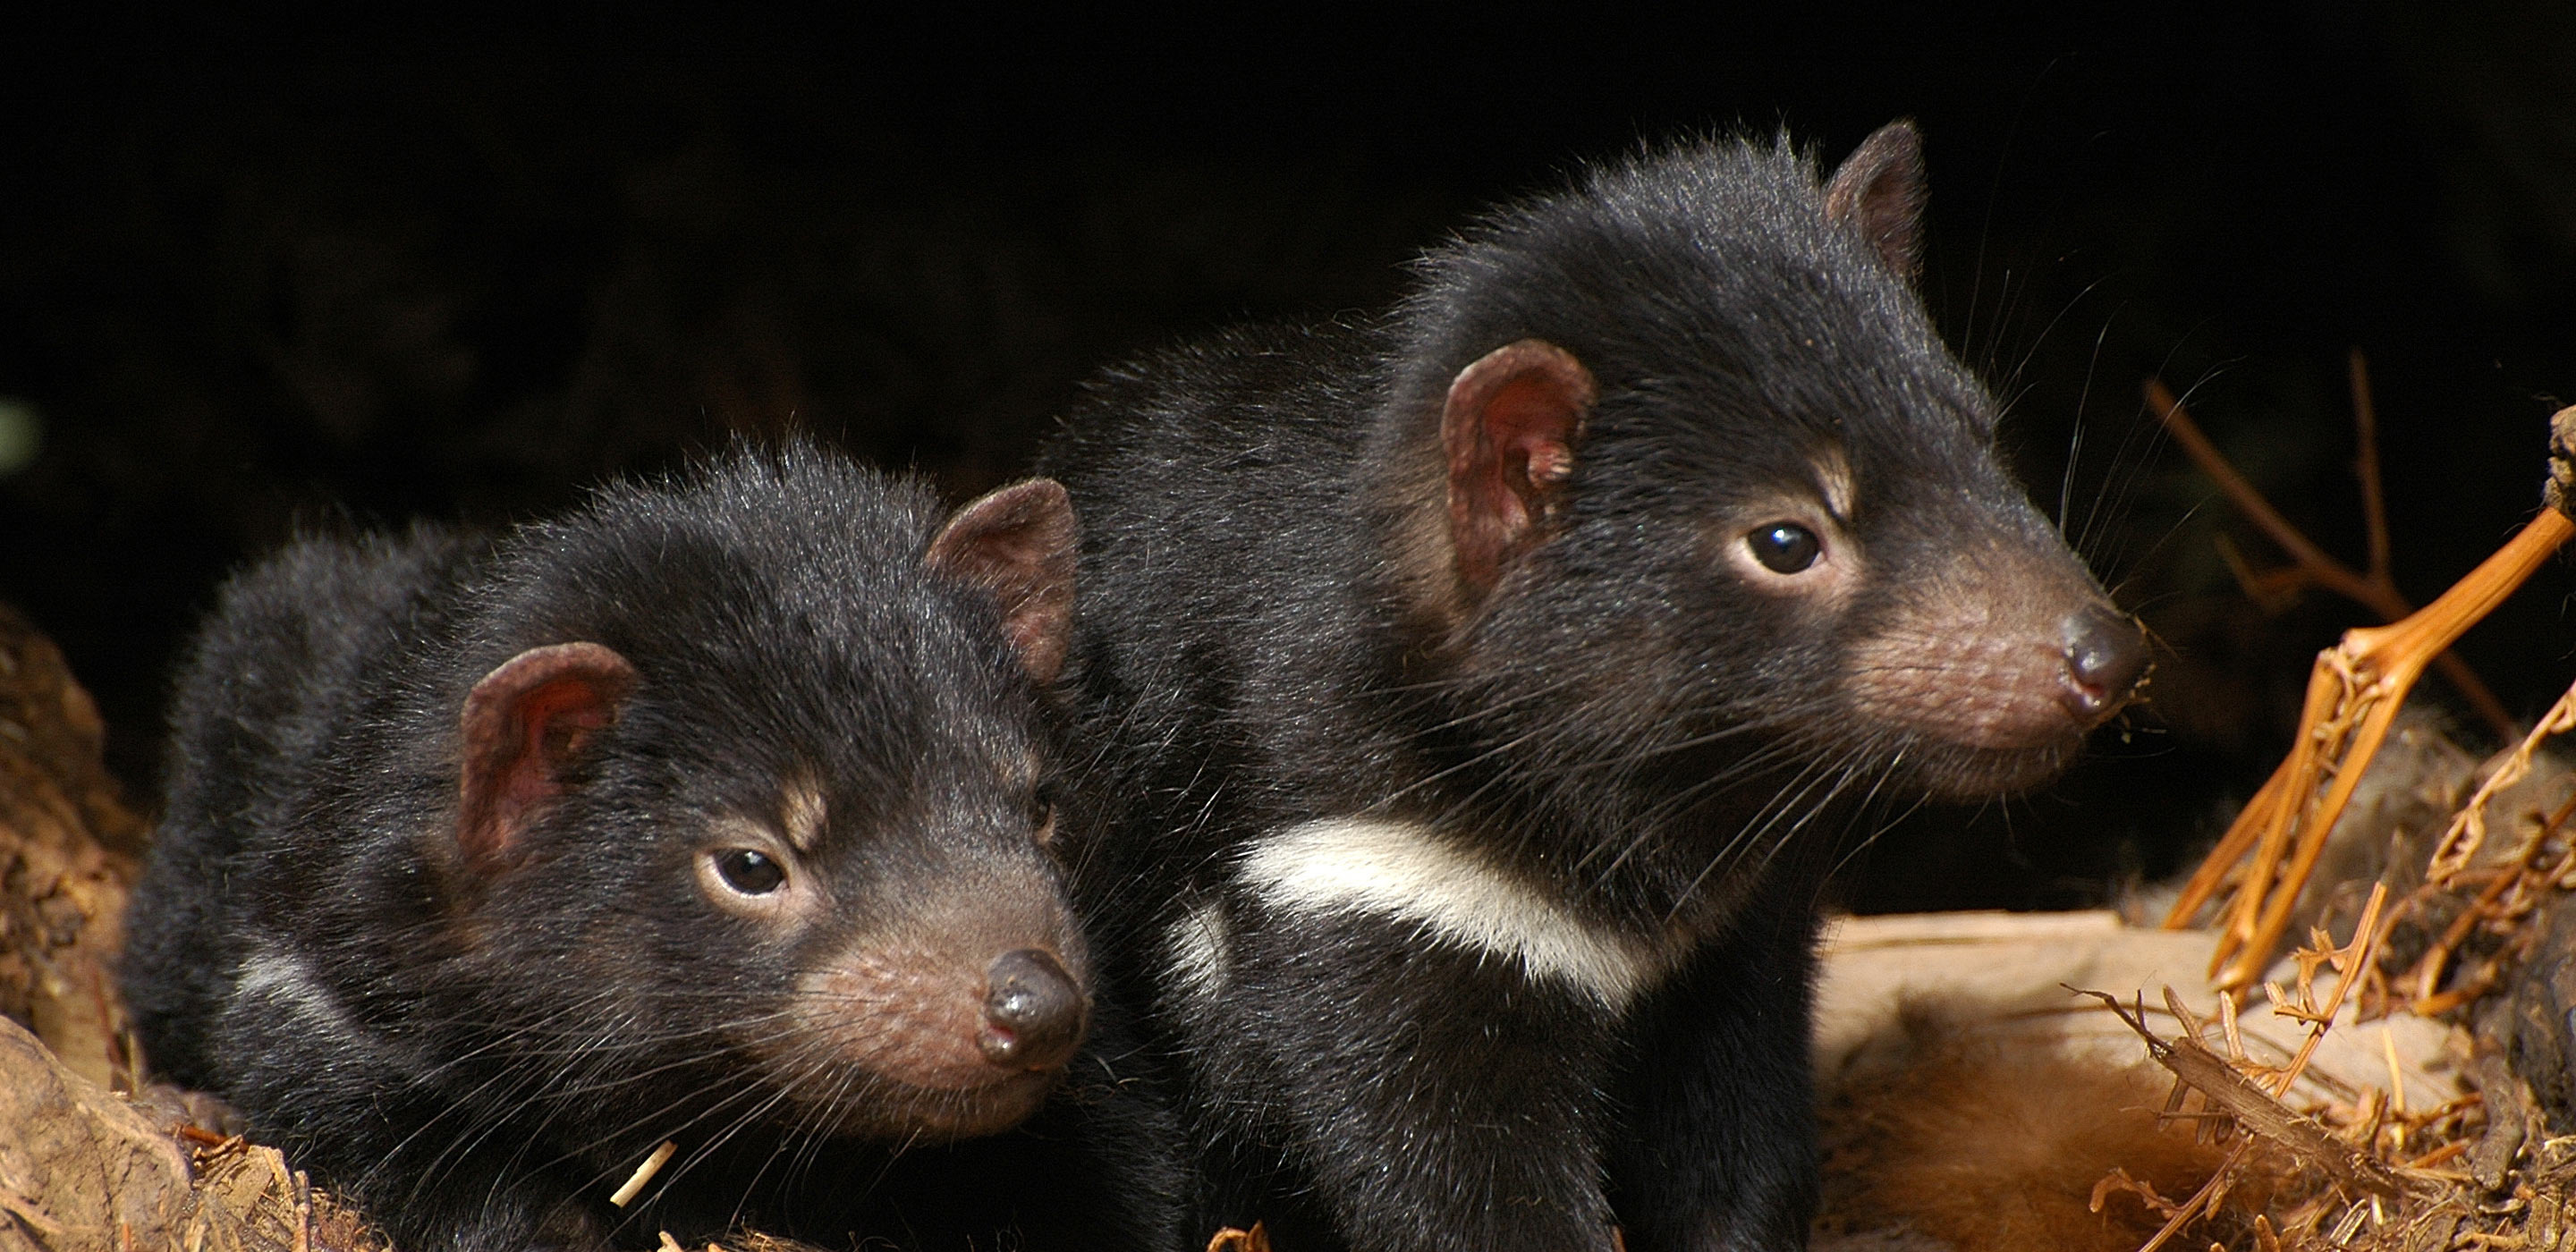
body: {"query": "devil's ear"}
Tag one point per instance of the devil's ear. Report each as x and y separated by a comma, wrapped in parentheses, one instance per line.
(1018, 542)
(1509, 428)
(524, 724)
(1879, 192)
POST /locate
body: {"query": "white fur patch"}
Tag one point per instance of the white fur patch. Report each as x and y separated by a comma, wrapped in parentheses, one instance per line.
(1197, 947)
(1409, 873)
(283, 979)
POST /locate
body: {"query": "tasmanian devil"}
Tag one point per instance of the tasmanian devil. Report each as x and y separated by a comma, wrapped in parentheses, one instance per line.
(1484, 687)
(713, 813)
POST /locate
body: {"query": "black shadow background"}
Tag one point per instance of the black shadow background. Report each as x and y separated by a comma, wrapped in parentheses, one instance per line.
(251, 273)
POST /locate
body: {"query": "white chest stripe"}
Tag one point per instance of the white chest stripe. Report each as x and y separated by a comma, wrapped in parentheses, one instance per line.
(1406, 872)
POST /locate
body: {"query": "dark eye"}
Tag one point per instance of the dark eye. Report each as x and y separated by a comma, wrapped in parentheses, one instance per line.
(1784, 547)
(749, 872)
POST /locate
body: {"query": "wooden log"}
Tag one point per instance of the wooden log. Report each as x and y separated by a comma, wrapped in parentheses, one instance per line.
(69, 848)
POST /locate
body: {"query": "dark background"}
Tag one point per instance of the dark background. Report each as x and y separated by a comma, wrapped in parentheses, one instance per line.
(257, 274)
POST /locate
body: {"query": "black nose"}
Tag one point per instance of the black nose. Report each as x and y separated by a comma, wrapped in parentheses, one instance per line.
(2106, 655)
(1033, 1012)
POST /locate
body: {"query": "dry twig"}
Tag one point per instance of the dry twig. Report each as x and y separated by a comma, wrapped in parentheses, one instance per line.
(1231, 1239)
(2375, 589)
(2353, 697)
(2258, 1106)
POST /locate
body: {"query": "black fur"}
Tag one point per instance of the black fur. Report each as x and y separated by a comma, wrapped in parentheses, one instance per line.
(1620, 725)
(479, 1058)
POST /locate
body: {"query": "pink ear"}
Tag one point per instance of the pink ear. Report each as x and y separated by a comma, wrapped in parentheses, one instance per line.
(1509, 428)
(1879, 191)
(1019, 543)
(523, 724)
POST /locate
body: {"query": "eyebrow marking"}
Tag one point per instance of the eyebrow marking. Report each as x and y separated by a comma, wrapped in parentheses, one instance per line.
(801, 813)
(1834, 479)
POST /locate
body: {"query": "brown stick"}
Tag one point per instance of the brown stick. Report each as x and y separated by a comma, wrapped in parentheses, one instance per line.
(2200, 1199)
(2374, 505)
(2375, 591)
(2328, 572)
(2389, 659)
(2258, 1110)
(1257, 1239)
(2351, 962)
(2231, 850)
(2276, 810)
(2508, 1117)
(2427, 974)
